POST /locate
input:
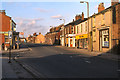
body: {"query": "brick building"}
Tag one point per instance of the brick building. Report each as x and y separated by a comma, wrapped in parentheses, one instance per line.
(53, 37)
(105, 28)
(71, 30)
(8, 34)
(39, 38)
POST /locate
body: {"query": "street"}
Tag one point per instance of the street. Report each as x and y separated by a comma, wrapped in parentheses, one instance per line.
(58, 62)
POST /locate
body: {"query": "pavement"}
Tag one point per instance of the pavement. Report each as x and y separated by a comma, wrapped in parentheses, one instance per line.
(17, 50)
(85, 52)
(13, 70)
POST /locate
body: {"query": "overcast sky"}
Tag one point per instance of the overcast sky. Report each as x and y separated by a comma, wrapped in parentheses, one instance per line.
(39, 16)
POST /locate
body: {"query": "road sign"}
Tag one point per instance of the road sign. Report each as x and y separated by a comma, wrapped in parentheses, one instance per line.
(10, 34)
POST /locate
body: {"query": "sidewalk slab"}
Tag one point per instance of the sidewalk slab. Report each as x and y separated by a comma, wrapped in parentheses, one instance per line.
(7, 71)
(13, 70)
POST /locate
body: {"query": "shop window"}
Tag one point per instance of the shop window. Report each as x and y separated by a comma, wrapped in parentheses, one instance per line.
(105, 38)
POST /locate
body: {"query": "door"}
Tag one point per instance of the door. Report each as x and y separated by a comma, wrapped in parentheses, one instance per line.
(100, 41)
(70, 42)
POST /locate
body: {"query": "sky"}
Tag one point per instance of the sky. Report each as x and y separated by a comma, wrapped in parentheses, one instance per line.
(36, 16)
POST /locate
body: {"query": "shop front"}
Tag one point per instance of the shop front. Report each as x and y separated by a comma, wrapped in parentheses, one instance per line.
(70, 40)
(82, 41)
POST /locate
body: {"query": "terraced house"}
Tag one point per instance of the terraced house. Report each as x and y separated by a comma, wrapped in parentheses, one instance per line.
(99, 32)
(71, 30)
(105, 27)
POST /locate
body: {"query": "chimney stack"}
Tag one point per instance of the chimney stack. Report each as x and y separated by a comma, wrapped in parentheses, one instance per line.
(77, 17)
(2, 11)
(39, 33)
(113, 2)
(101, 7)
(82, 16)
(73, 20)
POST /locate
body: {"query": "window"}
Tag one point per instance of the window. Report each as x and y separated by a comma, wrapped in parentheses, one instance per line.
(81, 28)
(86, 26)
(105, 38)
(103, 18)
(114, 15)
(6, 39)
(94, 35)
(72, 29)
(77, 29)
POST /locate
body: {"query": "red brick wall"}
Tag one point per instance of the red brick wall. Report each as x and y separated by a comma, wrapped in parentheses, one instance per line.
(5, 23)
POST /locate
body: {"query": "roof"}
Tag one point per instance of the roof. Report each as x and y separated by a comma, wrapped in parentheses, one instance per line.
(104, 10)
(14, 22)
(76, 22)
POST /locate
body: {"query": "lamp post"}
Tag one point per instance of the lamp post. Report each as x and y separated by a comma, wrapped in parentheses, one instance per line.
(88, 20)
(64, 31)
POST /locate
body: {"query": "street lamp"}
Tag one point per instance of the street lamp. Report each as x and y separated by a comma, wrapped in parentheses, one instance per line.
(63, 20)
(88, 20)
(87, 7)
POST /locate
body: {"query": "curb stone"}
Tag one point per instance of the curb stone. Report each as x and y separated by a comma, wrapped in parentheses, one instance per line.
(33, 72)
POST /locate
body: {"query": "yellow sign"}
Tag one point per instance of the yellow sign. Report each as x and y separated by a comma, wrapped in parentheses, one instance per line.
(66, 40)
(6, 34)
(81, 36)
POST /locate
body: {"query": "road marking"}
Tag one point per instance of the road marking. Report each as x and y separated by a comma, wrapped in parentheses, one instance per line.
(118, 70)
(70, 56)
(88, 62)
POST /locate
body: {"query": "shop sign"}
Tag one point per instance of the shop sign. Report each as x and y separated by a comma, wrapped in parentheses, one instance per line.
(3, 32)
(70, 35)
(81, 36)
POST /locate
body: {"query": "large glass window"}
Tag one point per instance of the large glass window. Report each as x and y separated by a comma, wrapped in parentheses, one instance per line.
(105, 38)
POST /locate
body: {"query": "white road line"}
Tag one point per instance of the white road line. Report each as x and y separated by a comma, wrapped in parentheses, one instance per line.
(88, 62)
(118, 70)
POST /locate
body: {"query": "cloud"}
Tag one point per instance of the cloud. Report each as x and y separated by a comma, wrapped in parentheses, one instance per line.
(96, 7)
(26, 19)
(30, 26)
(43, 10)
(56, 17)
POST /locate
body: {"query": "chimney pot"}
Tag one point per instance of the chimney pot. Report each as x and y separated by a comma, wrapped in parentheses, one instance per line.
(101, 7)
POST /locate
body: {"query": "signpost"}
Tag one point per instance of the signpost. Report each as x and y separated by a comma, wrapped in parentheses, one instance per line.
(10, 38)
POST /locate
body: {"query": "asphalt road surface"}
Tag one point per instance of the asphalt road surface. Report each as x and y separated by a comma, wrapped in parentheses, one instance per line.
(56, 62)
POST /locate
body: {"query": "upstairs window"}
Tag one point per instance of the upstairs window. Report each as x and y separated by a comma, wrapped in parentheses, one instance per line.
(114, 15)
